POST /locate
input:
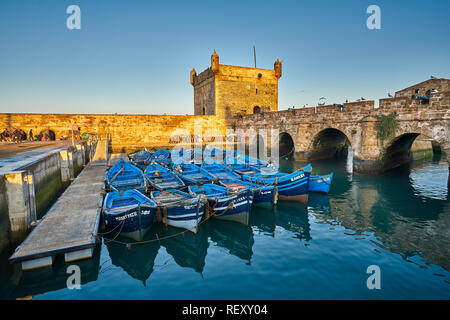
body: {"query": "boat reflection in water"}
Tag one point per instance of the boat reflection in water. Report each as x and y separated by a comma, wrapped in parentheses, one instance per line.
(235, 237)
(294, 217)
(319, 204)
(138, 260)
(188, 251)
(26, 285)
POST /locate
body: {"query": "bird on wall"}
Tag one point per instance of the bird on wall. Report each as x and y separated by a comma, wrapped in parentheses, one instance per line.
(390, 95)
(346, 100)
(362, 99)
(433, 77)
(358, 100)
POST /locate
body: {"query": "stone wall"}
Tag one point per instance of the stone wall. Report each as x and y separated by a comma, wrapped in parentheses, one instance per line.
(128, 132)
(204, 93)
(358, 122)
(4, 221)
(225, 90)
(441, 85)
(48, 184)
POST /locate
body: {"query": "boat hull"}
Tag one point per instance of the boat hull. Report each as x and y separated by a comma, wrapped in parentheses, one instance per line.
(238, 211)
(303, 198)
(266, 196)
(320, 183)
(186, 216)
(130, 222)
(291, 187)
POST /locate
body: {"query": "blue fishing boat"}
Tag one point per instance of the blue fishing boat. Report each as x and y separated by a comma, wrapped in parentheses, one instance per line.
(220, 172)
(192, 174)
(291, 186)
(129, 213)
(161, 178)
(264, 166)
(140, 159)
(263, 195)
(161, 156)
(320, 183)
(124, 176)
(225, 203)
(179, 209)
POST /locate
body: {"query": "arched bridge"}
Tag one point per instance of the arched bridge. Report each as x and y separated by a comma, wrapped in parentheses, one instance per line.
(324, 131)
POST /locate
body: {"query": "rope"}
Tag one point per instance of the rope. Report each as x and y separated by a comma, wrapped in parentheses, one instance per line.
(103, 233)
(129, 245)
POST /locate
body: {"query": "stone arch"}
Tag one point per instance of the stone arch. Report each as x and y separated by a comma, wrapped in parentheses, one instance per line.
(399, 150)
(329, 143)
(286, 144)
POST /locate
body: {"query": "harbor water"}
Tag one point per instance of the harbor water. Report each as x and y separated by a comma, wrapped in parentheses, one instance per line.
(399, 221)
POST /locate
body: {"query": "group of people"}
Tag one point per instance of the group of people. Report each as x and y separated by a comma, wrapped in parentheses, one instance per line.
(19, 135)
(14, 135)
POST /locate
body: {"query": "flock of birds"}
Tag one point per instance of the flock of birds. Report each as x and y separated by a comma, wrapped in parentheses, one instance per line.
(322, 99)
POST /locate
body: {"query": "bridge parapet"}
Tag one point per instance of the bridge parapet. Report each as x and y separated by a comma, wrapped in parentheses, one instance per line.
(323, 131)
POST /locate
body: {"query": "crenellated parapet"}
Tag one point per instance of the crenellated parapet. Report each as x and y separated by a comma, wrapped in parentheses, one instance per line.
(324, 131)
(225, 90)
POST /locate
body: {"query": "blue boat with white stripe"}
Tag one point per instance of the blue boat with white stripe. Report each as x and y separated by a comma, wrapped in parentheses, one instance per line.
(320, 183)
(129, 213)
(192, 174)
(125, 176)
(179, 209)
(291, 186)
(263, 195)
(224, 203)
(220, 172)
(161, 178)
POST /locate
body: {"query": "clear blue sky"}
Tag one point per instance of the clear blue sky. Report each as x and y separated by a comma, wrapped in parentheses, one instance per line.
(135, 56)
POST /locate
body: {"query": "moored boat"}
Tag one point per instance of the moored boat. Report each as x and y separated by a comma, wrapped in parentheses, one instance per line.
(161, 156)
(179, 209)
(225, 203)
(161, 178)
(220, 172)
(291, 186)
(320, 183)
(125, 176)
(263, 195)
(140, 159)
(192, 174)
(129, 213)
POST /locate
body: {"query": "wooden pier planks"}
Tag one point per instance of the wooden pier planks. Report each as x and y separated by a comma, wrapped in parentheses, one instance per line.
(70, 226)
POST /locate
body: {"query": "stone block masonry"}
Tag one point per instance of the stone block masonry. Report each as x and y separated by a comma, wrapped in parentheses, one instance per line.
(320, 132)
(225, 90)
(31, 186)
(128, 132)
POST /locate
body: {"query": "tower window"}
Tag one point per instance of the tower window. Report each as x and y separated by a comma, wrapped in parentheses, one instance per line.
(256, 91)
(256, 109)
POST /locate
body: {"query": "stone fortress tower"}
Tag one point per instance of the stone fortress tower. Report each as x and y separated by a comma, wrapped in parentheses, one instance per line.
(225, 90)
